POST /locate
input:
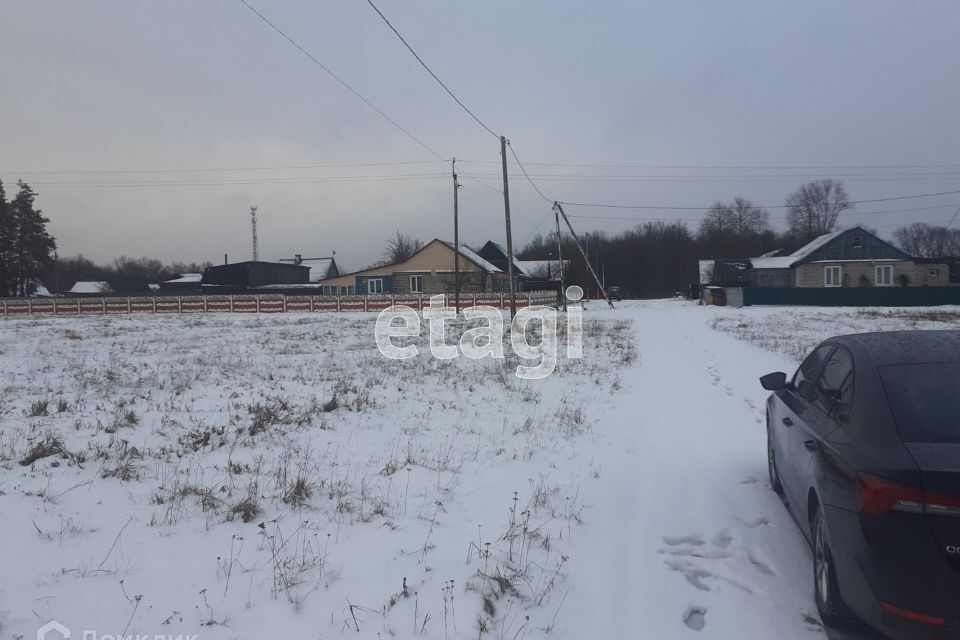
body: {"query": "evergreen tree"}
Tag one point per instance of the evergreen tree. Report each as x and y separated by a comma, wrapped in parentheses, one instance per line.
(6, 242)
(30, 246)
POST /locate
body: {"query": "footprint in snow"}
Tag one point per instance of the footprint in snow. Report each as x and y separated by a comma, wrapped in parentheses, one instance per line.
(675, 541)
(753, 524)
(812, 621)
(761, 566)
(703, 562)
(723, 539)
(695, 618)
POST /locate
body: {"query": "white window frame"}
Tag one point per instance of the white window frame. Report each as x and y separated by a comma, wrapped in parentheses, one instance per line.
(831, 269)
(416, 278)
(370, 287)
(887, 268)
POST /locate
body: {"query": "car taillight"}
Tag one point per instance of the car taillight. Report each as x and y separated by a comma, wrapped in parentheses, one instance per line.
(913, 615)
(877, 496)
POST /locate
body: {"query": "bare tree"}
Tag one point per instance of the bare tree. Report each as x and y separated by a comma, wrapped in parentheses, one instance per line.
(399, 247)
(813, 209)
(923, 240)
(740, 217)
(748, 218)
(720, 220)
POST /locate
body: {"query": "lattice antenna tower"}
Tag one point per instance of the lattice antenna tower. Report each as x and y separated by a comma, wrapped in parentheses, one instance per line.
(253, 229)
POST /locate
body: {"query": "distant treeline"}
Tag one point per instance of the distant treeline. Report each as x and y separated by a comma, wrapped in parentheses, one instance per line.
(659, 258)
(125, 275)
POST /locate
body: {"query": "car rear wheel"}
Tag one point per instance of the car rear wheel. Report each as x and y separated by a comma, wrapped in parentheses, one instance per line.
(826, 590)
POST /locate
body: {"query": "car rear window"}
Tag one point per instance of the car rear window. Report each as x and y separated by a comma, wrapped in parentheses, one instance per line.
(925, 399)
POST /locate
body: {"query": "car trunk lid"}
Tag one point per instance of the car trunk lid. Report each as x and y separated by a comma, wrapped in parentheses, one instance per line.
(939, 465)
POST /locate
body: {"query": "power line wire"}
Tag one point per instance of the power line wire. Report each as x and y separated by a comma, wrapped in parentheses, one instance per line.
(224, 169)
(751, 167)
(527, 175)
(772, 206)
(727, 180)
(430, 71)
(444, 161)
(700, 219)
(227, 182)
(957, 213)
(340, 80)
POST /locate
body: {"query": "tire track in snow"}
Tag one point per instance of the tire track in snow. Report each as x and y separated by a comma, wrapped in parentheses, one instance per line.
(676, 540)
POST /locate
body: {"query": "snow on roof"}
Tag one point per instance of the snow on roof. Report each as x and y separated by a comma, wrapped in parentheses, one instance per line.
(319, 268)
(471, 255)
(42, 292)
(785, 262)
(777, 262)
(187, 278)
(90, 287)
(814, 244)
(539, 268)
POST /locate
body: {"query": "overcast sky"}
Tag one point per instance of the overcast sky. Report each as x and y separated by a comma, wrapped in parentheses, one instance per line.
(833, 86)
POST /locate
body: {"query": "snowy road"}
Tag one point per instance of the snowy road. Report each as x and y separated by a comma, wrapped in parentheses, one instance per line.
(684, 532)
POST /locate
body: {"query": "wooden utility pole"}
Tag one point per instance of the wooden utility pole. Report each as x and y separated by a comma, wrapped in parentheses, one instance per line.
(456, 237)
(582, 253)
(506, 212)
(563, 278)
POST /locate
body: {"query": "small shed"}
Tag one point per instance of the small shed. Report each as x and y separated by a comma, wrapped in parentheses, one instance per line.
(90, 288)
(184, 282)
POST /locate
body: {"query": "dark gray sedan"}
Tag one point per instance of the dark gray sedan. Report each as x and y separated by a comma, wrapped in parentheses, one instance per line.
(864, 447)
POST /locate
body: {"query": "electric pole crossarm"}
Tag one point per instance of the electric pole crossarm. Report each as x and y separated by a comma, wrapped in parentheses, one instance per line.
(589, 266)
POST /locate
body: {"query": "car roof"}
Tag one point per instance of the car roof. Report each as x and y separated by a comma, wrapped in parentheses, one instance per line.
(903, 347)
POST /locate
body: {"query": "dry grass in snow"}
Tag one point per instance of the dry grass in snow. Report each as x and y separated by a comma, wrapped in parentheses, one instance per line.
(795, 331)
(275, 476)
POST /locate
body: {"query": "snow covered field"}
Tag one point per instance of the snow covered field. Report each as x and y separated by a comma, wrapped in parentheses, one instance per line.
(275, 476)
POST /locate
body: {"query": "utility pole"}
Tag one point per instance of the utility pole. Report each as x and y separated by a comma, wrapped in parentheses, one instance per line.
(456, 237)
(506, 212)
(253, 227)
(563, 278)
(582, 253)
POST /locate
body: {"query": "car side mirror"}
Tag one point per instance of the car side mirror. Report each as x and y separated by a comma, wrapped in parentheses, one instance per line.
(774, 381)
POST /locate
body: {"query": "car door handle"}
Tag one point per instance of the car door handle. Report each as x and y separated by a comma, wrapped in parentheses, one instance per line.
(788, 422)
(811, 445)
